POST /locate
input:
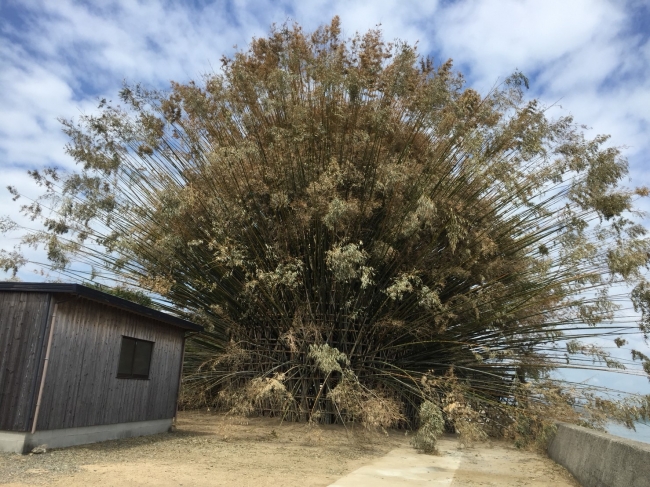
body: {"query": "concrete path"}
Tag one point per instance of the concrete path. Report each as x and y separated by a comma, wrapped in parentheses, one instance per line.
(494, 464)
(404, 467)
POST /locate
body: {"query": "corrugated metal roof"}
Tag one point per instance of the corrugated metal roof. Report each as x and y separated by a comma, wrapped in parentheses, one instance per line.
(100, 297)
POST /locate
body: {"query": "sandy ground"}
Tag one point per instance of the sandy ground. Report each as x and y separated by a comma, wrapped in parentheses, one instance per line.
(214, 450)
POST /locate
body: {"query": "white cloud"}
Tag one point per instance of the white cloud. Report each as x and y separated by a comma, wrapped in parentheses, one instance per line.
(494, 37)
(32, 98)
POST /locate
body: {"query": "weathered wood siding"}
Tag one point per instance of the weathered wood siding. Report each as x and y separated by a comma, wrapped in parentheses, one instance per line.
(81, 388)
(23, 319)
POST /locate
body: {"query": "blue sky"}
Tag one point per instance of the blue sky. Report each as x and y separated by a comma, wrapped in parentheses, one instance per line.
(588, 58)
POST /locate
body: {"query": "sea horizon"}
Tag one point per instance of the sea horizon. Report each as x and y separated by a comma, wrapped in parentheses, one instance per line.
(642, 432)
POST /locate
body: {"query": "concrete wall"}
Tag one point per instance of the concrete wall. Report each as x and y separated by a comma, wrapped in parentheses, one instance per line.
(601, 460)
(11, 441)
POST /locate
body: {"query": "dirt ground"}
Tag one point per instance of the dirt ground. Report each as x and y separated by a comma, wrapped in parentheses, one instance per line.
(210, 449)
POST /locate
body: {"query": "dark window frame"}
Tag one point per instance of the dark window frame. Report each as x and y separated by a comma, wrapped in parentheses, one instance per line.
(131, 374)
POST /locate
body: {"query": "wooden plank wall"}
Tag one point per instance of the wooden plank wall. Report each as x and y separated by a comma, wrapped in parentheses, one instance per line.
(23, 319)
(81, 388)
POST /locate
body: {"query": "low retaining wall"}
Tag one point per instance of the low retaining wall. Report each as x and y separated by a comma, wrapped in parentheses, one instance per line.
(601, 460)
(24, 442)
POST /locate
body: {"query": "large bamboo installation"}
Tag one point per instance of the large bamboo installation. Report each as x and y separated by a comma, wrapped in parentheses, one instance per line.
(361, 234)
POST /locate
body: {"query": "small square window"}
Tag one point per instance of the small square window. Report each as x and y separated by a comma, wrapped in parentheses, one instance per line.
(135, 359)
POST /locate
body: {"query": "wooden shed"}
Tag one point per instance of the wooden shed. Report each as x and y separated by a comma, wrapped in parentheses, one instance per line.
(80, 366)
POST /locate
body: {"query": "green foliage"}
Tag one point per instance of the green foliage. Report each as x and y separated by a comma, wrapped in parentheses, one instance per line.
(432, 425)
(322, 195)
(327, 359)
(531, 431)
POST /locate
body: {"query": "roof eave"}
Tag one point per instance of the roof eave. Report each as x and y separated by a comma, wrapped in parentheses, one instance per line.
(101, 297)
